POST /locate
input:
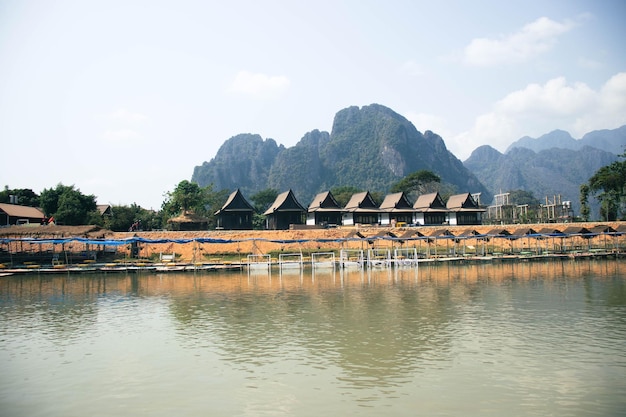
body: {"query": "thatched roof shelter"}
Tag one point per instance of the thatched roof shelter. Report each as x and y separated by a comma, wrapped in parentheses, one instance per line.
(188, 221)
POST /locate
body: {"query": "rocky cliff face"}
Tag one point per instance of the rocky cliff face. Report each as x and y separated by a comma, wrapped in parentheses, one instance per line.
(369, 148)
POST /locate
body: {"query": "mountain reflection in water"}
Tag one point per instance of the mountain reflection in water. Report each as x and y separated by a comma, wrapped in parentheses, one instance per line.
(502, 339)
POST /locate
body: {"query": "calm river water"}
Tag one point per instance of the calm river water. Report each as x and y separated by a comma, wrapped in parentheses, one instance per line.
(519, 339)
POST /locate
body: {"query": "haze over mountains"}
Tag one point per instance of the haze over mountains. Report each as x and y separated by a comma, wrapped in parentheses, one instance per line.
(373, 147)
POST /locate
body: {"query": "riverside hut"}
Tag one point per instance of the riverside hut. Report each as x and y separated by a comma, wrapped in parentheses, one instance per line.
(188, 221)
(284, 212)
(396, 210)
(429, 210)
(12, 214)
(464, 210)
(361, 209)
(236, 213)
(324, 211)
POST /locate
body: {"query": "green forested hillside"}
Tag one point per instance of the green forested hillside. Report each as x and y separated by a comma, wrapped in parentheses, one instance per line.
(369, 148)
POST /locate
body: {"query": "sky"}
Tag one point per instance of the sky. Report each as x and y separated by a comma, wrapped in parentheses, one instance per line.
(122, 99)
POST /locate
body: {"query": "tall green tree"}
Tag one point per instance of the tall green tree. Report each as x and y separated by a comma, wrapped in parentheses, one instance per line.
(418, 182)
(25, 196)
(190, 197)
(608, 185)
(69, 206)
(263, 199)
(261, 202)
(584, 202)
(187, 196)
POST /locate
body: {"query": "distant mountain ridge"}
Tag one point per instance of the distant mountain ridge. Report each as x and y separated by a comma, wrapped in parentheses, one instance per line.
(545, 173)
(369, 148)
(373, 147)
(613, 141)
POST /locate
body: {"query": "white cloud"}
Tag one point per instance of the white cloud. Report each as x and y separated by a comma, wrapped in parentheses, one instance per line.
(533, 39)
(123, 115)
(412, 68)
(122, 126)
(259, 85)
(539, 109)
(122, 136)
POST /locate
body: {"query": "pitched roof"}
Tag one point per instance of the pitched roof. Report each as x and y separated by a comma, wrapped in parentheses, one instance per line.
(441, 233)
(236, 202)
(499, 232)
(602, 229)
(430, 202)
(550, 231)
(361, 202)
(462, 202)
(411, 234)
(324, 202)
(524, 232)
(396, 202)
(104, 209)
(188, 217)
(285, 202)
(470, 233)
(576, 230)
(14, 210)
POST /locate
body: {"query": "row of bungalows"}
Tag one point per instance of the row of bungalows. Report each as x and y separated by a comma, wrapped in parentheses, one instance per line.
(395, 210)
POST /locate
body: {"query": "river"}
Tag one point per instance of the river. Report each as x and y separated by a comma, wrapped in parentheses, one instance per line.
(514, 339)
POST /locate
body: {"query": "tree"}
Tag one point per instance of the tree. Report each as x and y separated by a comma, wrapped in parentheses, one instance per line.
(584, 202)
(263, 199)
(418, 182)
(608, 185)
(190, 197)
(68, 205)
(25, 196)
(122, 217)
(187, 196)
(343, 194)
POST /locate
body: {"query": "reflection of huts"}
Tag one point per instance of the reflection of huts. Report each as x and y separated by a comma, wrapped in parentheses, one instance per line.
(430, 209)
(188, 221)
(236, 213)
(16, 214)
(283, 212)
(324, 210)
(464, 210)
(396, 209)
(361, 209)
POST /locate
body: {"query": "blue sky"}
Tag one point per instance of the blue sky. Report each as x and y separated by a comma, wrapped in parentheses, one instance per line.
(123, 98)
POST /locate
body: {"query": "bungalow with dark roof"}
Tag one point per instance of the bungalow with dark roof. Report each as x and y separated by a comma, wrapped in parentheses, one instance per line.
(284, 212)
(464, 210)
(324, 210)
(430, 210)
(236, 213)
(395, 209)
(361, 209)
(11, 214)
